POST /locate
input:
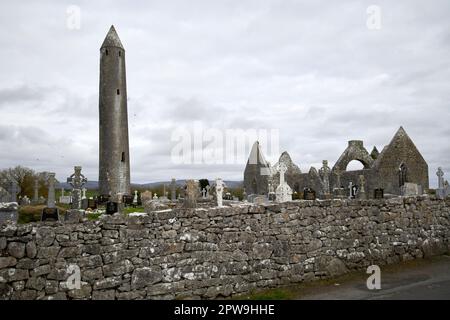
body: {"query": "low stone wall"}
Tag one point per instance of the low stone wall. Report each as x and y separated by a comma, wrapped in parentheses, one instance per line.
(9, 212)
(206, 253)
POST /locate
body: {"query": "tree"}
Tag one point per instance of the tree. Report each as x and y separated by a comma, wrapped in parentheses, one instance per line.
(25, 178)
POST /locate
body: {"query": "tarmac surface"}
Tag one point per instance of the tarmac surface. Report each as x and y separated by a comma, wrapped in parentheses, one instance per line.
(416, 280)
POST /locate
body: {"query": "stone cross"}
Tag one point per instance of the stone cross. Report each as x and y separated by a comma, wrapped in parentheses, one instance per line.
(283, 192)
(220, 185)
(191, 194)
(324, 173)
(173, 192)
(362, 184)
(350, 189)
(36, 191)
(155, 196)
(135, 198)
(51, 191)
(83, 196)
(14, 191)
(204, 193)
(77, 181)
(440, 175)
(208, 188)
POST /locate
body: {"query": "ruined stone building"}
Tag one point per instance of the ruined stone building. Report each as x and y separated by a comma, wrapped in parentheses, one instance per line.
(114, 160)
(398, 163)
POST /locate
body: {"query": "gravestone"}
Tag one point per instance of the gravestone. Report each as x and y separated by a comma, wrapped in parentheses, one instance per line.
(378, 193)
(272, 196)
(191, 194)
(352, 190)
(77, 180)
(410, 189)
(443, 189)
(92, 204)
(14, 190)
(135, 198)
(9, 212)
(362, 184)
(51, 212)
(244, 195)
(309, 194)
(220, 186)
(84, 200)
(127, 200)
(173, 190)
(208, 192)
(204, 193)
(112, 207)
(284, 191)
(146, 196)
(324, 174)
(4, 195)
(103, 199)
(25, 201)
(36, 191)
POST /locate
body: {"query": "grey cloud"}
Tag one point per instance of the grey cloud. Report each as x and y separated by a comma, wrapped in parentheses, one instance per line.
(309, 68)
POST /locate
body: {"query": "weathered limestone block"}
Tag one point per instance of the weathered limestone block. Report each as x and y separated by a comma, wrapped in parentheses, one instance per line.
(146, 276)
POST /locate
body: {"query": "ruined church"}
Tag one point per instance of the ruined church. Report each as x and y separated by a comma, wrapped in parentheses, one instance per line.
(397, 165)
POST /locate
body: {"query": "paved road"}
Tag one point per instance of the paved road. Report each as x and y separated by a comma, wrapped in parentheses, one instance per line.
(427, 280)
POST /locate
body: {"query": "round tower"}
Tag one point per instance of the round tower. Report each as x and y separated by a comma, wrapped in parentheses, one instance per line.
(114, 160)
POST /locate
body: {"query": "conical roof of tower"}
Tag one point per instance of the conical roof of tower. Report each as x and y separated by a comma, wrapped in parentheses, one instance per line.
(112, 39)
(256, 154)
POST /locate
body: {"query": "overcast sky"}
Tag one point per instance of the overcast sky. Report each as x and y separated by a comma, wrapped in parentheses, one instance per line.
(311, 69)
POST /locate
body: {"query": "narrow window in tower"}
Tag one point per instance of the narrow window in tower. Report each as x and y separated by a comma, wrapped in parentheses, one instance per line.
(106, 51)
(123, 156)
(118, 91)
(120, 53)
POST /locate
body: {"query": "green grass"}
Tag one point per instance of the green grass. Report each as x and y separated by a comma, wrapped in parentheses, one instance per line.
(129, 210)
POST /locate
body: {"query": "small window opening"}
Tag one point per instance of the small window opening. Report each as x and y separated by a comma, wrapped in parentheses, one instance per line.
(118, 91)
(106, 51)
(123, 157)
(120, 53)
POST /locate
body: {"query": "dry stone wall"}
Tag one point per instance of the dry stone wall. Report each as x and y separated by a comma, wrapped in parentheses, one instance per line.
(214, 252)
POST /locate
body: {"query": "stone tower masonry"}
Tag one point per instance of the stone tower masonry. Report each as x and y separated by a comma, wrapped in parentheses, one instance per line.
(114, 160)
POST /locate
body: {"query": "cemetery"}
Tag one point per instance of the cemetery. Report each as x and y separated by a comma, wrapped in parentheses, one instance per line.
(204, 240)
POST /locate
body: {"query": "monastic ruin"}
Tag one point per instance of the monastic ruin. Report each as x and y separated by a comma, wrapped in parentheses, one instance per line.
(396, 170)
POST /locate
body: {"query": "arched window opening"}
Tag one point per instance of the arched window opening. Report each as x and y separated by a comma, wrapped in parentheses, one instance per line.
(355, 165)
(106, 51)
(123, 157)
(118, 91)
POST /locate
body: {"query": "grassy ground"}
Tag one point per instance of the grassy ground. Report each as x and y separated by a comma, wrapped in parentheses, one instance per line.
(297, 291)
(33, 213)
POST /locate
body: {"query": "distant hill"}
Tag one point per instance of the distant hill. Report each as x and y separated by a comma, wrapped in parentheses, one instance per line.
(92, 185)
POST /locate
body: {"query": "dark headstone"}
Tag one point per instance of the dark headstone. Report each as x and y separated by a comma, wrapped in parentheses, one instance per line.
(127, 200)
(102, 199)
(92, 204)
(309, 194)
(111, 207)
(50, 214)
(378, 193)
